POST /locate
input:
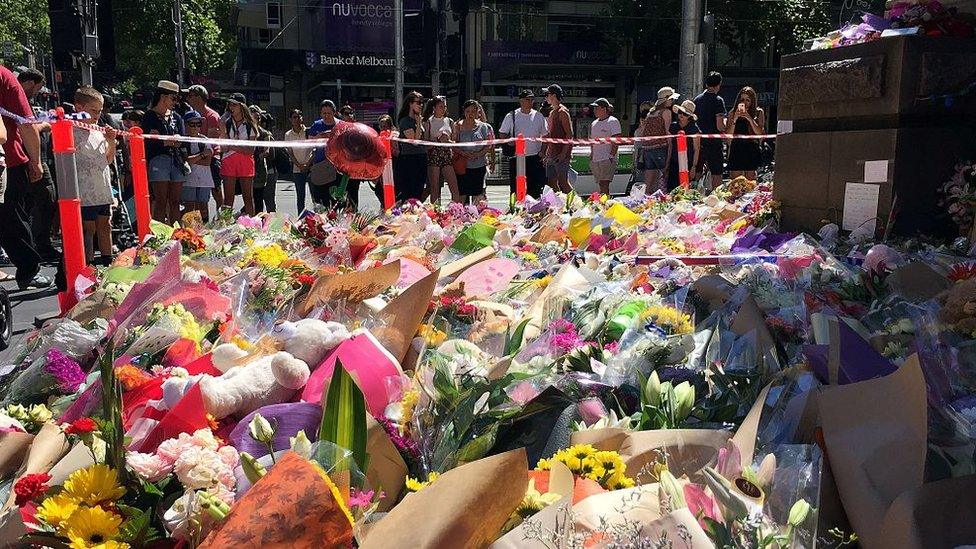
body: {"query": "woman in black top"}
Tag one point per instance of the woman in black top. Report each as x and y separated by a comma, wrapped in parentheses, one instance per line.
(410, 166)
(745, 119)
(165, 160)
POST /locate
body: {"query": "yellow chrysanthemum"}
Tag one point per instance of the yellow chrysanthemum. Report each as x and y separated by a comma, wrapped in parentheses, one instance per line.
(271, 255)
(91, 527)
(93, 485)
(414, 485)
(619, 482)
(668, 318)
(56, 509)
(610, 462)
(544, 465)
(544, 281)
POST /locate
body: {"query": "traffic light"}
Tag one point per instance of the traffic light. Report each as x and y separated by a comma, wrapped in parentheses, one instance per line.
(706, 35)
(66, 32)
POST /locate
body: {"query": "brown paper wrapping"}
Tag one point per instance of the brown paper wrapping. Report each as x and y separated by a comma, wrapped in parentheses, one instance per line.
(745, 436)
(916, 282)
(686, 450)
(48, 447)
(402, 316)
(13, 448)
(457, 267)
(95, 305)
(672, 523)
(936, 515)
(875, 433)
(714, 289)
(749, 318)
(550, 519)
(77, 458)
(353, 287)
(386, 470)
(464, 508)
(606, 439)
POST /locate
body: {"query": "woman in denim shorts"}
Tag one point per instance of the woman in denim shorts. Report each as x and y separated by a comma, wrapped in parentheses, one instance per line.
(166, 160)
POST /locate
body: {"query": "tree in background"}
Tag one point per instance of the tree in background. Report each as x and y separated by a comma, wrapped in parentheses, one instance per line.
(25, 24)
(145, 47)
(743, 26)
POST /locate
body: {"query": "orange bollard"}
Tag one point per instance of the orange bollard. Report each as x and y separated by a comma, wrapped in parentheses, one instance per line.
(69, 204)
(389, 197)
(683, 159)
(140, 182)
(520, 183)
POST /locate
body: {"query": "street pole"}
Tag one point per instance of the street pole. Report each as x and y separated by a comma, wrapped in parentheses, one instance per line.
(398, 51)
(690, 24)
(178, 35)
(435, 77)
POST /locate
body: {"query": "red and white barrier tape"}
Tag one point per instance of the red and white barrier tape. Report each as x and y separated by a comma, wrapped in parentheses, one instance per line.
(316, 143)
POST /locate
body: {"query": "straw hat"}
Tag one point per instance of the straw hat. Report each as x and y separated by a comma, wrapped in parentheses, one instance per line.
(687, 107)
(664, 94)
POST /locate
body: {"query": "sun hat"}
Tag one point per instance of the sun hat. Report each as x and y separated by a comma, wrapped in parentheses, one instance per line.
(664, 94)
(687, 107)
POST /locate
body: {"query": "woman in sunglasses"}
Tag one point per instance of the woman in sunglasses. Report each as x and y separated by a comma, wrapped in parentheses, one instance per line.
(166, 160)
(411, 165)
(438, 127)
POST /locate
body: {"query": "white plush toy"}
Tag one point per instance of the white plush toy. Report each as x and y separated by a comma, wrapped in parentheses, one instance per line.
(268, 379)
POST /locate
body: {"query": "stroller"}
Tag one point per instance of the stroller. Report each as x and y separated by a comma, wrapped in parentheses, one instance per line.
(123, 220)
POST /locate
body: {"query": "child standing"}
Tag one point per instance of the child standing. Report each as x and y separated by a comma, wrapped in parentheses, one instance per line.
(200, 183)
(94, 151)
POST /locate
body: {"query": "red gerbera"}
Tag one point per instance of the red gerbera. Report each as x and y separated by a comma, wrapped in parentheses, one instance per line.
(30, 487)
(81, 426)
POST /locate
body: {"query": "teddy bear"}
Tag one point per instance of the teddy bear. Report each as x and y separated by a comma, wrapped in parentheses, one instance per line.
(959, 307)
(269, 378)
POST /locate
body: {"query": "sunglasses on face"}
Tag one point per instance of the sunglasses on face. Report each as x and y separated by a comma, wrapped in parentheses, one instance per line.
(194, 124)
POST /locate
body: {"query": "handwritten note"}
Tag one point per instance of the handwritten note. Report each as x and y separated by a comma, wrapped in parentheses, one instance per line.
(875, 171)
(488, 277)
(410, 271)
(861, 206)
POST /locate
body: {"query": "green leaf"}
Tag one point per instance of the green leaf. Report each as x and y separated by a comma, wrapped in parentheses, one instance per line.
(344, 416)
(137, 530)
(477, 448)
(514, 343)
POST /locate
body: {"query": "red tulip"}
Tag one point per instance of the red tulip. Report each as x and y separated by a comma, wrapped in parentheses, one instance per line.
(357, 150)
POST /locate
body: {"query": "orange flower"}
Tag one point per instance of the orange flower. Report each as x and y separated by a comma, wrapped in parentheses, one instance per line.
(131, 376)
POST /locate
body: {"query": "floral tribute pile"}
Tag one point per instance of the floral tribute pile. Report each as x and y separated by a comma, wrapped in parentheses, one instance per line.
(648, 371)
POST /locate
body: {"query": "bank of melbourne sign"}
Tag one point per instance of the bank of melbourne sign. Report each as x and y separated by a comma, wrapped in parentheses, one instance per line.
(354, 26)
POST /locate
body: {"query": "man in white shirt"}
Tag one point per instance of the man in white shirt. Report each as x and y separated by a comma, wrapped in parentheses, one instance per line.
(603, 156)
(301, 159)
(530, 123)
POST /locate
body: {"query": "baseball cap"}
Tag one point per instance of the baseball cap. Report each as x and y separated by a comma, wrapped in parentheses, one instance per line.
(198, 90)
(555, 89)
(602, 102)
(192, 115)
(237, 98)
(327, 103)
(525, 94)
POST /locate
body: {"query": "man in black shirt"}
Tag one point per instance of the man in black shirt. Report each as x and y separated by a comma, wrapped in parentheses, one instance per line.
(710, 108)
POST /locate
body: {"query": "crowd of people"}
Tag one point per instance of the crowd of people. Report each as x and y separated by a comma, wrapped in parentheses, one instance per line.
(185, 176)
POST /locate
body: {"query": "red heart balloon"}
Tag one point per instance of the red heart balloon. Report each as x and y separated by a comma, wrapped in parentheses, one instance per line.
(357, 150)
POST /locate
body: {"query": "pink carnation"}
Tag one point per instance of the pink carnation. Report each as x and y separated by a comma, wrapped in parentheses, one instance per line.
(149, 467)
(229, 456)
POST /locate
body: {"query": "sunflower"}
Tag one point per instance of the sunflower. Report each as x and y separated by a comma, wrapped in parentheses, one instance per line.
(56, 509)
(91, 527)
(93, 485)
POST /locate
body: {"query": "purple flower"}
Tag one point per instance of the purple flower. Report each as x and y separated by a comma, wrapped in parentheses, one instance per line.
(362, 498)
(65, 371)
(404, 444)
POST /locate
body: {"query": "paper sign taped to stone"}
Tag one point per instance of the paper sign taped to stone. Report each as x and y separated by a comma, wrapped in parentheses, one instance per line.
(875, 171)
(861, 206)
